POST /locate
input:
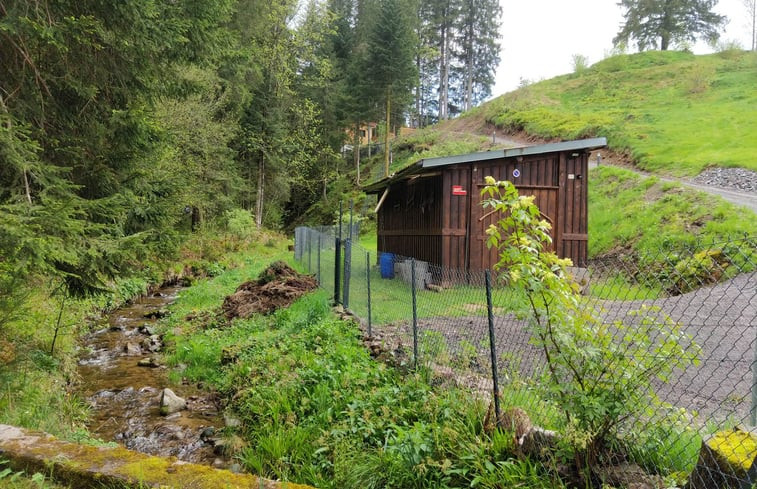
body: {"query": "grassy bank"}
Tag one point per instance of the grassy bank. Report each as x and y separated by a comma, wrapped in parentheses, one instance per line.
(630, 212)
(671, 112)
(314, 407)
(38, 347)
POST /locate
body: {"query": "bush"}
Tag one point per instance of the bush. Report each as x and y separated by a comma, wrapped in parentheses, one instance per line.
(240, 223)
(599, 375)
(580, 63)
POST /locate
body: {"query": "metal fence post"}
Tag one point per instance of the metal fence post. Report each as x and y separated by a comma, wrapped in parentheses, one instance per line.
(753, 411)
(415, 314)
(318, 261)
(337, 260)
(310, 250)
(347, 272)
(368, 282)
(492, 343)
(297, 243)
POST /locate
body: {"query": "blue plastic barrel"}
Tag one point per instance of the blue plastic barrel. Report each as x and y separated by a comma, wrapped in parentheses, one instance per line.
(386, 262)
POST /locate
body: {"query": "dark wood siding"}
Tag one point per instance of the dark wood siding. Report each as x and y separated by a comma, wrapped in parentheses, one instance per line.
(422, 218)
(455, 231)
(410, 219)
(536, 176)
(573, 227)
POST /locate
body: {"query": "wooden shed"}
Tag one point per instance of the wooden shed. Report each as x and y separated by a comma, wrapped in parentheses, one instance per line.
(432, 209)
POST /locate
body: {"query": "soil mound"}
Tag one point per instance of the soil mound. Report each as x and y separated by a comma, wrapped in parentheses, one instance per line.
(277, 286)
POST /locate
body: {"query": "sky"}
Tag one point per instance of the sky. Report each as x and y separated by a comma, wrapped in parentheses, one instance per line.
(540, 37)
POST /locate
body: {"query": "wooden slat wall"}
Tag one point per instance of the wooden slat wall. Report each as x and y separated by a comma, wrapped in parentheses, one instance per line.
(573, 231)
(421, 217)
(538, 177)
(455, 219)
(409, 221)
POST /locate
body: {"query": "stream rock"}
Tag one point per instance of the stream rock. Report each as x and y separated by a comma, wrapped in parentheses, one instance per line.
(159, 314)
(170, 402)
(146, 329)
(152, 343)
(148, 362)
(132, 349)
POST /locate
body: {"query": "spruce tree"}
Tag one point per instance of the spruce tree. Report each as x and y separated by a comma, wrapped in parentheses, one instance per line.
(656, 24)
(390, 67)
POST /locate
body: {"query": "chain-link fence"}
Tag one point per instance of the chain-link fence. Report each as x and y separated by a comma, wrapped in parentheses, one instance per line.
(469, 329)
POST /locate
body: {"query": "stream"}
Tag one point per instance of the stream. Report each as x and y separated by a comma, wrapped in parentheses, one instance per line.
(125, 397)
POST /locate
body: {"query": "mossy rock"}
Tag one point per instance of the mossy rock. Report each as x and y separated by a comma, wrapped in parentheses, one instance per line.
(726, 460)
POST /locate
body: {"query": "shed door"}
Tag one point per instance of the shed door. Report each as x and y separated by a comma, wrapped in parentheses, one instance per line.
(537, 177)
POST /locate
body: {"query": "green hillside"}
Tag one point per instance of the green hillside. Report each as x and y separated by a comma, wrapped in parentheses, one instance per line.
(672, 112)
(668, 112)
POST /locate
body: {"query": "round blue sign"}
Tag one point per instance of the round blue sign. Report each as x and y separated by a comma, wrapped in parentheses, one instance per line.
(516, 173)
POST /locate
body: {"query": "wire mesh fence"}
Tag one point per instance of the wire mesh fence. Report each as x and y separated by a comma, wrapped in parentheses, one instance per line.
(469, 329)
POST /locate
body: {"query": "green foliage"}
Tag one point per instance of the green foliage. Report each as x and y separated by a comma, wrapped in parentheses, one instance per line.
(20, 480)
(671, 112)
(598, 374)
(668, 21)
(580, 63)
(642, 217)
(240, 223)
(315, 408)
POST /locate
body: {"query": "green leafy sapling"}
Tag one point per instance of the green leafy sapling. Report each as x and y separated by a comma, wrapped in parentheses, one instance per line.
(598, 373)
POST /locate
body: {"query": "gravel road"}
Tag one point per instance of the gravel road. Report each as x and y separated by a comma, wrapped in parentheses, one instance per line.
(721, 319)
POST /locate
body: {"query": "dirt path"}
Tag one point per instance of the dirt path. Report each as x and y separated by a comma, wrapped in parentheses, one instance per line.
(746, 199)
(502, 139)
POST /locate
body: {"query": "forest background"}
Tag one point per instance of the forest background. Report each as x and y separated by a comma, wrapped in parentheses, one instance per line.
(123, 125)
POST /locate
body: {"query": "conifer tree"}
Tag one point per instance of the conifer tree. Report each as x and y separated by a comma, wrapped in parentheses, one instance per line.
(658, 23)
(477, 54)
(390, 67)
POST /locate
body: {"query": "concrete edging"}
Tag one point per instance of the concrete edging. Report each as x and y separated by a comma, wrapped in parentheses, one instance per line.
(107, 466)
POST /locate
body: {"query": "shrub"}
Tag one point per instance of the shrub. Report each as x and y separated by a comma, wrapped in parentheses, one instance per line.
(599, 375)
(240, 223)
(580, 63)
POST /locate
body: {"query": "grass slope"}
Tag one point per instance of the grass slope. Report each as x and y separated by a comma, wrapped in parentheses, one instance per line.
(643, 214)
(672, 112)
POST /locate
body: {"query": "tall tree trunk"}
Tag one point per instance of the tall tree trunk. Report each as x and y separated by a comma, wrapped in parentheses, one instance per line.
(356, 152)
(753, 11)
(386, 132)
(664, 41)
(261, 192)
(666, 28)
(468, 41)
(444, 68)
(418, 93)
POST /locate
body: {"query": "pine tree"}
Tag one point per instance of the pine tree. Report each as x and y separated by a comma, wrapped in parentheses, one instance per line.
(657, 23)
(477, 54)
(390, 62)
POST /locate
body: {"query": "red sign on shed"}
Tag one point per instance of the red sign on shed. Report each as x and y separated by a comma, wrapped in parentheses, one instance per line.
(459, 190)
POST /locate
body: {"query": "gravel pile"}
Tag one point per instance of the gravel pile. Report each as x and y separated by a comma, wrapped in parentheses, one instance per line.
(731, 178)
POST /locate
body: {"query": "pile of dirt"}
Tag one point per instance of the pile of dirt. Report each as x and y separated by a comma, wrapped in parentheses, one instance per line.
(277, 286)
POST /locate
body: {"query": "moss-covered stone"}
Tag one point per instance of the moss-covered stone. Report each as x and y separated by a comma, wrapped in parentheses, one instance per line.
(726, 461)
(116, 467)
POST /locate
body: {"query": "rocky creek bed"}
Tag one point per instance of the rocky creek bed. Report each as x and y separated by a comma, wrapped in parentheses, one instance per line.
(124, 384)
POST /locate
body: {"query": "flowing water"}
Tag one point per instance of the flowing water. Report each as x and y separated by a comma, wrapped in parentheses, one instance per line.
(125, 397)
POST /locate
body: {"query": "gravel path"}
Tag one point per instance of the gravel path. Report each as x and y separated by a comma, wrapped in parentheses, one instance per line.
(721, 319)
(736, 185)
